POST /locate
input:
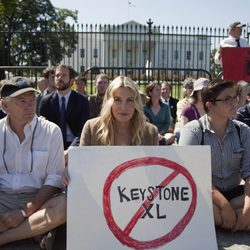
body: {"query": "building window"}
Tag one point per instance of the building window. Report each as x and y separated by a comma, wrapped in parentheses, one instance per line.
(82, 52)
(201, 55)
(82, 68)
(129, 57)
(188, 55)
(70, 52)
(176, 54)
(163, 54)
(95, 52)
(114, 53)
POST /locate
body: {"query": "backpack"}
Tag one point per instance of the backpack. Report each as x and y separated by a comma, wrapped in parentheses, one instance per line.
(202, 130)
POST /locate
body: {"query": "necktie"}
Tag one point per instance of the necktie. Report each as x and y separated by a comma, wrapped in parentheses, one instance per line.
(62, 118)
(238, 42)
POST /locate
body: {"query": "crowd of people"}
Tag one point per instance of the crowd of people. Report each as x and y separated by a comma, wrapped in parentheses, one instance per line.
(37, 128)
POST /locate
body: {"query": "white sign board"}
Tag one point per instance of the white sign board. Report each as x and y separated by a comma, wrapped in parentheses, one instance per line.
(140, 198)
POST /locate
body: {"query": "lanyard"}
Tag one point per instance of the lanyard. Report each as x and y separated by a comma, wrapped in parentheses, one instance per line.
(31, 148)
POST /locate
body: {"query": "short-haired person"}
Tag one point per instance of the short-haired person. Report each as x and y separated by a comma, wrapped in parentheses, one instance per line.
(95, 100)
(65, 107)
(121, 122)
(166, 90)
(234, 39)
(48, 76)
(42, 84)
(81, 85)
(230, 142)
(31, 166)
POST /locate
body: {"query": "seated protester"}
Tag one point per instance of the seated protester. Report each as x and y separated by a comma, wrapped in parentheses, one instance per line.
(95, 100)
(81, 85)
(242, 89)
(194, 110)
(158, 113)
(2, 114)
(230, 154)
(65, 107)
(248, 97)
(31, 166)
(243, 114)
(121, 121)
(166, 90)
(188, 86)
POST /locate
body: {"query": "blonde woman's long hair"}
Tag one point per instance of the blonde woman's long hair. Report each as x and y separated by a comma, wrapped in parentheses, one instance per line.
(107, 131)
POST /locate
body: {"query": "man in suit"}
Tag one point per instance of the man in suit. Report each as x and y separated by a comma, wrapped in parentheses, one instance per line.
(167, 98)
(65, 107)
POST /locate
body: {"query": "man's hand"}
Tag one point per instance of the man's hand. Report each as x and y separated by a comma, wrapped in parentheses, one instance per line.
(13, 218)
(66, 157)
(228, 216)
(243, 220)
(65, 178)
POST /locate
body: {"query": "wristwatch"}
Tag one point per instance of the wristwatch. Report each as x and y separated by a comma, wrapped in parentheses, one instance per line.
(23, 213)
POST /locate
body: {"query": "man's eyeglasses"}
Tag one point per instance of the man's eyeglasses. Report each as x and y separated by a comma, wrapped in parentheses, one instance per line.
(228, 100)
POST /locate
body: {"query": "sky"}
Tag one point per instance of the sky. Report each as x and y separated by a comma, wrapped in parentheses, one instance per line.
(194, 13)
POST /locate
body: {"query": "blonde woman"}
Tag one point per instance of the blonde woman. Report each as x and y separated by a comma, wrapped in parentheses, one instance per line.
(122, 121)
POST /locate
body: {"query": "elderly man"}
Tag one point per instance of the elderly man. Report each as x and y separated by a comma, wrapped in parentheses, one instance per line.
(31, 166)
(233, 40)
(166, 97)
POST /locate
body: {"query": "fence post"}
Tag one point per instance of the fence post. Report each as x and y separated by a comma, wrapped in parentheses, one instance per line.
(149, 22)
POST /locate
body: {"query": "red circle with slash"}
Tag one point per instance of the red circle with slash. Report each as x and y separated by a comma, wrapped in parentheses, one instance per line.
(123, 235)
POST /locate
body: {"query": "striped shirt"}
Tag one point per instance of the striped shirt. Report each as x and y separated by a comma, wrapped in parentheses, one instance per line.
(230, 159)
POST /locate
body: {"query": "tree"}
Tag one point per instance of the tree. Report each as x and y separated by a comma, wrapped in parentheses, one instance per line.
(215, 69)
(33, 32)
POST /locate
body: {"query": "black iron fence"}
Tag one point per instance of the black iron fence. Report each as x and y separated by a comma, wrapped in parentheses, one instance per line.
(143, 76)
(174, 51)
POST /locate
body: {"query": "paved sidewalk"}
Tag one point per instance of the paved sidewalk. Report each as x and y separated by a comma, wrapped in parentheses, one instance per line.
(225, 239)
(232, 241)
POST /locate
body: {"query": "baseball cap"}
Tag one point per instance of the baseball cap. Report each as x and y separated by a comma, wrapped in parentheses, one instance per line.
(16, 86)
(199, 84)
(236, 25)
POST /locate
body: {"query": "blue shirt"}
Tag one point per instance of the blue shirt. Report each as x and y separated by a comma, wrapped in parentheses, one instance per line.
(230, 159)
(162, 119)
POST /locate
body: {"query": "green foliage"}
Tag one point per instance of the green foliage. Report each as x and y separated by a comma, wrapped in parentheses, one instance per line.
(215, 69)
(33, 32)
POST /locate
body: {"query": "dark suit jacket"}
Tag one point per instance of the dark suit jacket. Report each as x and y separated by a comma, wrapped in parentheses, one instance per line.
(173, 107)
(77, 112)
(2, 114)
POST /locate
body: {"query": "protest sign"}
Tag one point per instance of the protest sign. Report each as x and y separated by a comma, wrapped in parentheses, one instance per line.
(140, 198)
